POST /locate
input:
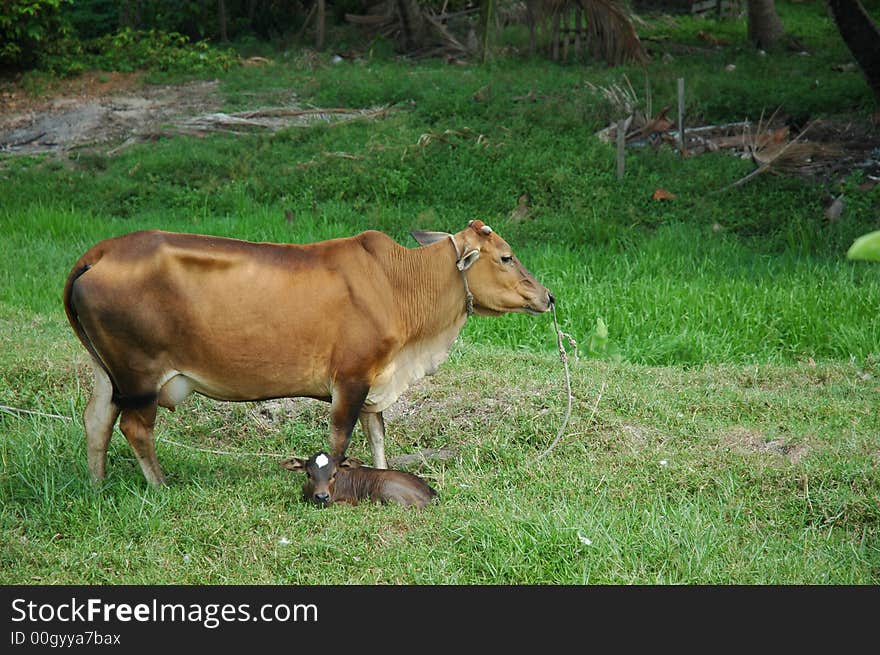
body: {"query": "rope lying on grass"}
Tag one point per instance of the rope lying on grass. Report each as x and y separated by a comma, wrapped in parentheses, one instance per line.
(17, 410)
(219, 452)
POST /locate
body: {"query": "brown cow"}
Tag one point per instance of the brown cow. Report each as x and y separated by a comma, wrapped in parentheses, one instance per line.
(353, 321)
(349, 481)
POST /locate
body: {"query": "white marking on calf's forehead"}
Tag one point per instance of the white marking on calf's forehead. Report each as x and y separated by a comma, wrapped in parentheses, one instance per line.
(322, 460)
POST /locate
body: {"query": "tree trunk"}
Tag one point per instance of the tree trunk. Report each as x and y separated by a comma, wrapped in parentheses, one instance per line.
(320, 25)
(487, 23)
(861, 36)
(532, 13)
(222, 19)
(412, 25)
(765, 29)
(130, 14)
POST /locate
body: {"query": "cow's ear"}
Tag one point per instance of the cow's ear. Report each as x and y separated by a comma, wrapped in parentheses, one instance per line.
(467, 260)
(350, 463)
(293, 464)
(426, 238)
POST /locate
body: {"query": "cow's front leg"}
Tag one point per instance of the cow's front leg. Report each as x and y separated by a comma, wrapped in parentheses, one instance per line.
(373, 426)
(345, 407)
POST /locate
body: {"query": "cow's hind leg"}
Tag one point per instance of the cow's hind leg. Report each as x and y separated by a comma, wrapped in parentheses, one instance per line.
(137, 426)
(373, 426)
(100, 416)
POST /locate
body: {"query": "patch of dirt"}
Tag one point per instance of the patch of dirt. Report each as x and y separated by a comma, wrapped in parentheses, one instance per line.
(637, 437)
(97, 109)
(749, 441)
(113, 111)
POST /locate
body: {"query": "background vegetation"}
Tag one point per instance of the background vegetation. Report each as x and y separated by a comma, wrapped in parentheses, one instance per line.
(727, 432)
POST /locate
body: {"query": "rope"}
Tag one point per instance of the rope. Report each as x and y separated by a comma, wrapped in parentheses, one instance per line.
(17, 410)
(217, 452)
(459, 258)
(563, 355)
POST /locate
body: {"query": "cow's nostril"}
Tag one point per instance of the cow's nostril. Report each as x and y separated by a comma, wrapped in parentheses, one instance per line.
(551, 298)
(322, 497)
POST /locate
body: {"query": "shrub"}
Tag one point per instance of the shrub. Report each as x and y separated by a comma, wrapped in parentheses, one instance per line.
(28, 29)
(129, 50)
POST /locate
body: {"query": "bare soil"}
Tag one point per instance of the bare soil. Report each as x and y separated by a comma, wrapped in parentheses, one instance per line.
(96, 109)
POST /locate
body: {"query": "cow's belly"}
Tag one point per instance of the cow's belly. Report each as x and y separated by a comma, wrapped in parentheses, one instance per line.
(177, 385)
(411, 364)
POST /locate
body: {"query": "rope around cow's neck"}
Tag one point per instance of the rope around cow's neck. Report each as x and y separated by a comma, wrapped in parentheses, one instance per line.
(468, 297)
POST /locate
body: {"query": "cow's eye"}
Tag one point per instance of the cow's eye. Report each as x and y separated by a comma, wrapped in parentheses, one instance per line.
(506, 259)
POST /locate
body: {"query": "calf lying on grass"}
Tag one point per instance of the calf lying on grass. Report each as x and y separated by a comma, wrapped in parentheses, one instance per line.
(329, 481)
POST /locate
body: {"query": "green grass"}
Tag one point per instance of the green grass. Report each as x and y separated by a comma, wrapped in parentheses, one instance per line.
(724, 474)
(736, 439)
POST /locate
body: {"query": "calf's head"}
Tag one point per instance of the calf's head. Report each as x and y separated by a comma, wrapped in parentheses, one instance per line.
(498, 281)
(321, 471)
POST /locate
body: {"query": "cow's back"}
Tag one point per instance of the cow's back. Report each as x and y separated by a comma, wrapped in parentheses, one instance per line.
(243, 320)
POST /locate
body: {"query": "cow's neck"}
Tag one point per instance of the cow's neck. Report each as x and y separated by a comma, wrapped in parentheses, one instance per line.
(429, 300)
(431, 297)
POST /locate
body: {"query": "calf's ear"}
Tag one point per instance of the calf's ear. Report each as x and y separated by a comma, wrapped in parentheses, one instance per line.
(293, 464)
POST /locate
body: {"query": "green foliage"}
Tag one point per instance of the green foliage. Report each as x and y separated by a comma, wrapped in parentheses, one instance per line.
(93, 18)
(29, 29)
(129, 50)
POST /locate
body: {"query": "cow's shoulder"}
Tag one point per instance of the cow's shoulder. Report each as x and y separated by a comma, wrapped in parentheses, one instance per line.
(377, 243)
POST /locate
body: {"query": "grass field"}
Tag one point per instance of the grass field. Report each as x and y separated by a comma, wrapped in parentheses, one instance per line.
(729, 434)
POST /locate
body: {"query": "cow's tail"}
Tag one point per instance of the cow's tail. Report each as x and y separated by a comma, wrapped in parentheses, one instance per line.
(83, 265)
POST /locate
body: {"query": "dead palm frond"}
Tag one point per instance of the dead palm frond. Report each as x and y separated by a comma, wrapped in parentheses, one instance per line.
(610, 33)
(612, 36)
(773, 152)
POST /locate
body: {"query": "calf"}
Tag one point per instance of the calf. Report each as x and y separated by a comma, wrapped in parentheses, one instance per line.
(330, 481)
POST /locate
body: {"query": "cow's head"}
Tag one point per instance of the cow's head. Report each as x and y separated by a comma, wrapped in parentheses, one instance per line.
(321, 471)
(496, 278)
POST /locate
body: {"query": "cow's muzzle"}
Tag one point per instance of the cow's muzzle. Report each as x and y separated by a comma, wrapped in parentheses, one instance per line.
(543, 306)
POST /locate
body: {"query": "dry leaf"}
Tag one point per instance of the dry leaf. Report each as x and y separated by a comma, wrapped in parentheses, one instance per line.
(663, 194)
